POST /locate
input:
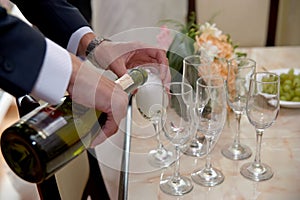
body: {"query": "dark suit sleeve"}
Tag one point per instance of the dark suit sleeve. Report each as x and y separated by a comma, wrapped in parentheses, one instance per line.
(57, 19)
(22, 51)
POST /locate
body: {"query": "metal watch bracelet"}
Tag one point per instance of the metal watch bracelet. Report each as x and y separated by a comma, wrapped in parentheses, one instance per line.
(91, 47)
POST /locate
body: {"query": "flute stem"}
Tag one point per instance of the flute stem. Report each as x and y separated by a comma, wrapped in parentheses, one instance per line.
(176, 176)
(157, 132)
(259, 133)
(236, 141)
(208, 157)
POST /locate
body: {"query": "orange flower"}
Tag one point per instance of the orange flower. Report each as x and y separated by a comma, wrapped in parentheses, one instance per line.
(213, 43)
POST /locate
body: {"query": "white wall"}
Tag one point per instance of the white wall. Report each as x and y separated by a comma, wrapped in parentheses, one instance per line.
(288, 28)
(245, 20)
(115, 16)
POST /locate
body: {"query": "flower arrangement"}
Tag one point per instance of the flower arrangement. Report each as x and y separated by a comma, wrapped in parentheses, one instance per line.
(203, 39)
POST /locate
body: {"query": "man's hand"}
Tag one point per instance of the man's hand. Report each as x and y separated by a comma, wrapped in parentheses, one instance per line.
(120, 56)
(90, 88)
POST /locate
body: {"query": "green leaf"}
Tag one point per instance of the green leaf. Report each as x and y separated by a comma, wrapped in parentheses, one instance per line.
(181, 47)
(240, 54)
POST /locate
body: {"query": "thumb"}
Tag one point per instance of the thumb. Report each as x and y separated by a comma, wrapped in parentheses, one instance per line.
(119, 70)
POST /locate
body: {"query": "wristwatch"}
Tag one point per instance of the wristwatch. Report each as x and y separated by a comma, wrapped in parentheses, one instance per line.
(90, 49)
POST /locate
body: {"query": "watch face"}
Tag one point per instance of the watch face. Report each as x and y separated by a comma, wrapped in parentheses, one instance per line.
(94, 43)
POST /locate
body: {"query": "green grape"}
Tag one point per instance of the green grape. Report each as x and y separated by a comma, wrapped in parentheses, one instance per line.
(296, 82)
(283, 77)
(281, 90)
(265, 79)
(288, 82)
(265, 88)
(287, 96)
(273, 78)
(271, 89)
(286, 87)
(297, 99)
(283, 98)
(291, 72)
(297, 92)
(292, 93)
(291, 76)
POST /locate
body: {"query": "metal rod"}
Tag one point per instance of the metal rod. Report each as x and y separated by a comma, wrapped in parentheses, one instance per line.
(123, 186)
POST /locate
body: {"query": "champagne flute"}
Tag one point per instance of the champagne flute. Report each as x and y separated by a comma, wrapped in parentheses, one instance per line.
(210, 120)
(238, 81)
(193, 67)
(149, 99)
(262, 110)
(177, 122)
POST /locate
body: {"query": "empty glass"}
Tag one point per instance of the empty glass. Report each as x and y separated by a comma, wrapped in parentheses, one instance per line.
(210, 120)
(193, 67)
(262, 109)
(237, 89)
(177, 123)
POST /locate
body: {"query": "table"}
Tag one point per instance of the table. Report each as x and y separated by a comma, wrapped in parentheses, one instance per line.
(280, 149)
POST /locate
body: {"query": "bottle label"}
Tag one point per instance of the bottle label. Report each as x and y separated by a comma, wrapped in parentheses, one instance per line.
(48, 121)
(125, 81)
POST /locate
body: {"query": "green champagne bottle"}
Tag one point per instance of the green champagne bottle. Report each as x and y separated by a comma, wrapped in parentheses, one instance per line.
(50, 136)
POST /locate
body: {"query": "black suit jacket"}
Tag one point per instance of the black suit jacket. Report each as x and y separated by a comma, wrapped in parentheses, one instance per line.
(22, 48)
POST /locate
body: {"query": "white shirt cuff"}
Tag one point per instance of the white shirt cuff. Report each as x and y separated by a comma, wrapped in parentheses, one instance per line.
(75, 38)
(55, 74)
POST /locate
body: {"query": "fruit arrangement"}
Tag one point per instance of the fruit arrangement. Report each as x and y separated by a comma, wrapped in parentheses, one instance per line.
(289, 86)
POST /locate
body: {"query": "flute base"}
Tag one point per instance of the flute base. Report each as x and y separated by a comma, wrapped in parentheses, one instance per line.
(196, 148)
(176, 186)
(208, 177)
(256, 172)
(236, 151)
(160, 158)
